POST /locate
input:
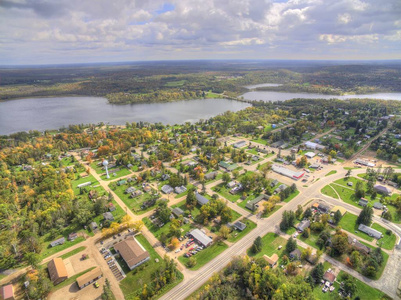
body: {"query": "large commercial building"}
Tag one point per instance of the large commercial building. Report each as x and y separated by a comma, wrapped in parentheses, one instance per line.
(132, 252)
(287, 172)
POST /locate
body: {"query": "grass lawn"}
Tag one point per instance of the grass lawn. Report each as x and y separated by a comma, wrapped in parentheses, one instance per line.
(331, 173)
(47, 251)
(291, 196)
(348, 223)
(218, 177)
(387, 241)
(131, 285)
(195, 211)
(253, 151)
(260, 141)
(240, 234)
(94, 185)
(73, 252)
(311, 240)
(270, 244)
(212, 95)
(205, 255)
(98, 169)
(113, 175)
(276, 208)
(158, 231)
(329, 191)
(363, 290)
(223, 191)
(70, 280)
(134, 203)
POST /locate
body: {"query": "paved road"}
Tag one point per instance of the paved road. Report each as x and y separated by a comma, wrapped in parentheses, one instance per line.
(388, 282)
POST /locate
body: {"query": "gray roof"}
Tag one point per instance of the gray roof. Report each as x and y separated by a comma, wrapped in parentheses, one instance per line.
(167, 189)
(382, 189)
(250, 204)
(363, 202)
(303, 225)
(370, 231)
(58, 242)
(378, 205)
(239, 225)
(108, 216)
(201, 237)
(201, 200)
(178, 211)
(323, 207)
(211, 175)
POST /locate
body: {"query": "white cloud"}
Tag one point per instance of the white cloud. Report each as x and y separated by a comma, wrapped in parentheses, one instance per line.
(37, 31)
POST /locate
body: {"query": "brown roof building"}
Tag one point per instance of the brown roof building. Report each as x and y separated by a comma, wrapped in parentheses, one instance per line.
(89, 277)
(272, 261)
(57, 271)
(7, 292)
(132, 252)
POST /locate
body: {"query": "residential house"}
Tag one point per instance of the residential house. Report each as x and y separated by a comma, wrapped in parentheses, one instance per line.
(296, 254)
(7, 292)
(310, 154)
(165, 177)
(323, 208)
(303, 225)
(133, 253)
(201, 199)
(108, 216)
(231, 184)
(137, 193)
(121, 182)
(272, 261)
(363, 202)
(329, 276)
(382, 189)
(130, 190)
(57, 271)
(167, 189)
(177, 212)
(253, 204)
(72, 236)
(93, 226)
(180, 189)
(57, 242)
(239, 144)
(239, 226)
(210, 176)
(378, 205)
(370, 231)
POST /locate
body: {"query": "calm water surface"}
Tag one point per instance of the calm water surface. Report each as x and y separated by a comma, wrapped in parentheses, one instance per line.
(53, 113)
(282, 96)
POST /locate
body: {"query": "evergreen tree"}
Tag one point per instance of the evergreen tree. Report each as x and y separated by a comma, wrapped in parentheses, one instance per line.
(317, 273)
(365, 216)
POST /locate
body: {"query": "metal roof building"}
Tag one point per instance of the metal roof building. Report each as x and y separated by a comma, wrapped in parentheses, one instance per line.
(201, 200)
(287, 172)
(370, 231)
(201, 238)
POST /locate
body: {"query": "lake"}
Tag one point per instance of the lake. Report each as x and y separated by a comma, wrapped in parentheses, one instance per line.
(282, 96)
(53, 113)
(255, 86)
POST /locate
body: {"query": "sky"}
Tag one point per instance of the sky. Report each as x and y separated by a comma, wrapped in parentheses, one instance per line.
(84, 31)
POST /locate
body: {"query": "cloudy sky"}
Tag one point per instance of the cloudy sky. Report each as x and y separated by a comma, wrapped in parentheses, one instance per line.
(75, 31)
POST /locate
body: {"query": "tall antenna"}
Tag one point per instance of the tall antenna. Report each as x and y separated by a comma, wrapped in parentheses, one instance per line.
(105, 164)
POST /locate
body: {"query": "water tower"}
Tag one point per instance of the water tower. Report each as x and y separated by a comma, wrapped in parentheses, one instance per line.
(105, 164)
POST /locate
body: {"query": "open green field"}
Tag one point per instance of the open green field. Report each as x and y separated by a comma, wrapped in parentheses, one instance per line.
(134, 203)
(94, 185)
(114, 175)
(131, 285)
(73, 252)
(175, 83)
(205, 255)
(237, 235)
(260, 141)
(225, 192)
(332, 172)
(348, 223)
(291, 196)
(329, 191)
(270, 244)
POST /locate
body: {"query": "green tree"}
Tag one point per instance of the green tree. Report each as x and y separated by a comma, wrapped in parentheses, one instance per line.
(257, 245)
(191, 198)
(337, 217)
(226, 178)
(107, 293)
(317, 273)
(291, 245)
(365, 216)
(33, 259)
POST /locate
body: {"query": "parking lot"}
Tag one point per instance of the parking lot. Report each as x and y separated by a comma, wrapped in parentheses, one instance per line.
(113, 264)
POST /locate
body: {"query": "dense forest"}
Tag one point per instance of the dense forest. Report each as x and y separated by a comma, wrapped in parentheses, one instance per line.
(164, 81)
